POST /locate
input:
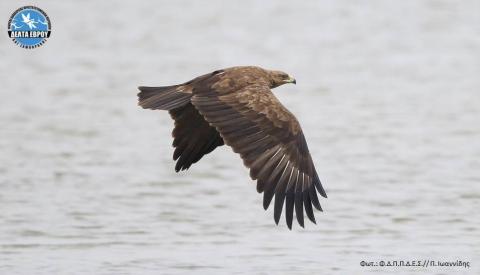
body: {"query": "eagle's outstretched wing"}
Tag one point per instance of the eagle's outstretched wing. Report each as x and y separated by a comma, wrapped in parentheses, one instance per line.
(270, 141)
(193, 136)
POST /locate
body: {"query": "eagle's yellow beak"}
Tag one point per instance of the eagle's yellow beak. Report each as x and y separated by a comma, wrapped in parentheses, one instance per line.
(291, 80)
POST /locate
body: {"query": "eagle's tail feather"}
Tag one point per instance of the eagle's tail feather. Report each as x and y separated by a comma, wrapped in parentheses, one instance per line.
(162, 98)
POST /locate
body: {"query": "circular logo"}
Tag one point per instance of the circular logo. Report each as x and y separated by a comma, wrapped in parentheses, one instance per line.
(29, 27)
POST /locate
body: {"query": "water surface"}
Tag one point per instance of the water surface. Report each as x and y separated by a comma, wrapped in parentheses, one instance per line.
(387, 94)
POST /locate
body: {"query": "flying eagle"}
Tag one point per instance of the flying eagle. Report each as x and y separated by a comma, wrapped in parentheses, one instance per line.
(235, 106)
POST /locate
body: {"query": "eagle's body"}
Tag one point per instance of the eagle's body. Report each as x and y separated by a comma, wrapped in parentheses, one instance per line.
(235, 106)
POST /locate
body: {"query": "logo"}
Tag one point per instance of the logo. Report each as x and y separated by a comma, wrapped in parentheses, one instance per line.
(29, 27)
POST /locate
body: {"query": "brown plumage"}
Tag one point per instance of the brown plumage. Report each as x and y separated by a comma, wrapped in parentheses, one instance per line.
(235, 106)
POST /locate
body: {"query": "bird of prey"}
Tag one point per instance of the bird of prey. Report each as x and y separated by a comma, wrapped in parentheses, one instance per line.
(235, 106)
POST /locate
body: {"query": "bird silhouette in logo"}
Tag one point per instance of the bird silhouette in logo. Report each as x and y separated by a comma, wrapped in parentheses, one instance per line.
(14, 25)
(30, 22)
(42, 22)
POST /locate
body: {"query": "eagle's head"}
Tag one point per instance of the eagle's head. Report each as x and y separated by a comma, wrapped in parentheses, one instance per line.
(278, 78)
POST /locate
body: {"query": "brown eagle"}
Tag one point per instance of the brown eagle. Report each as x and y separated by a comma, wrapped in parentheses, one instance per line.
(235, 106)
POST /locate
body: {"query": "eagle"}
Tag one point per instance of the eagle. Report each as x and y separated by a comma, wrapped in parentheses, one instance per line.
(235, 106)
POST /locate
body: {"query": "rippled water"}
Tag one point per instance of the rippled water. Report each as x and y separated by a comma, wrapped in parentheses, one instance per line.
(387, 94)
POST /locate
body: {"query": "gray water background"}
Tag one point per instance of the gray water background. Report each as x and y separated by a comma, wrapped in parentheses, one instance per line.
(388, 95)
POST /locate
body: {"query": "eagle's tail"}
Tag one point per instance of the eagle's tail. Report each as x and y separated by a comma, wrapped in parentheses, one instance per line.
(163, 98)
